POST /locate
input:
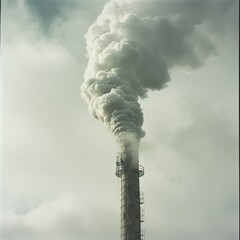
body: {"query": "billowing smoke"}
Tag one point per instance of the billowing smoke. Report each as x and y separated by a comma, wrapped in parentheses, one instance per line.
(131, 52)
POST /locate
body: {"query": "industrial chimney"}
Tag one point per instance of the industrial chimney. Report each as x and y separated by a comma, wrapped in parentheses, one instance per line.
(131, 197)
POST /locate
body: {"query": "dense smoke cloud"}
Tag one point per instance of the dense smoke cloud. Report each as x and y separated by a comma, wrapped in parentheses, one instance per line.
(131, 51)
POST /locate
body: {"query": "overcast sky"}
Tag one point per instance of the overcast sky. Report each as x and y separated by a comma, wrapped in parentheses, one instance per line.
(58, 163)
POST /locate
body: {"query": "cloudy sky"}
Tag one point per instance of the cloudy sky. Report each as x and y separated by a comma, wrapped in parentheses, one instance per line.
(58, 163)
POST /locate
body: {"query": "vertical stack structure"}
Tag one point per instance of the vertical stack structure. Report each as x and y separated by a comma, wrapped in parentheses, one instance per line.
(131, 197)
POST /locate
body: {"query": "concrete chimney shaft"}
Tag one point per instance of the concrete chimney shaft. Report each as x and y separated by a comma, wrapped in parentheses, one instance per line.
(130, 197)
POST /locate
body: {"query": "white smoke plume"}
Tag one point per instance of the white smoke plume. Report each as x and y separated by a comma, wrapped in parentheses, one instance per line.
(130, 51)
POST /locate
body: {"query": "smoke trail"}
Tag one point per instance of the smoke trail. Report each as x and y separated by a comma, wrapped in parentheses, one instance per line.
(129, 54)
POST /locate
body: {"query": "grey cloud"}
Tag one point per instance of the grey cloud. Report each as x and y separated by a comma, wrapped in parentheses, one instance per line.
(61, 218)
(209, 134)
(202, 9)
(47, 11)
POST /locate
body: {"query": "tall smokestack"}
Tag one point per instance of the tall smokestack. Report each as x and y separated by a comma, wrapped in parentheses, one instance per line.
(131, 214)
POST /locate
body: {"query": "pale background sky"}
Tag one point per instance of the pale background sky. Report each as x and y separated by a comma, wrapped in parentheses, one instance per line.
(58, 163)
